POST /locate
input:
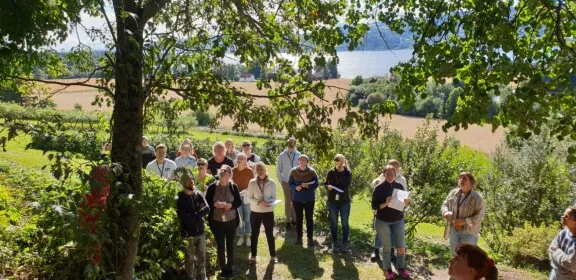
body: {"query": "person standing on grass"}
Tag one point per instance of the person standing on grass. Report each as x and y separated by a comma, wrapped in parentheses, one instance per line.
(202, 177)
(339, 201)
(219, 158)
(230, 151)
(472, 263)
(161, 166)
(250, 156)
(390, 221)
(224, 198)
(147, 151)
(463, 208)
(399, 179)
(562, 250)
(241, 175)
(261, 195)
(287, 160)
(191, 209)
(304, 182)
(375, 256)
(185, 160)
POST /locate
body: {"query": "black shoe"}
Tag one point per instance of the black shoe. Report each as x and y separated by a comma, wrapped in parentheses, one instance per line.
(375, 257)
(288, 225)
(335, 249)
(299, 241)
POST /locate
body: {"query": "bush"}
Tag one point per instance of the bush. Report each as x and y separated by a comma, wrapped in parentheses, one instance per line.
(375, 98)
(529, 245)
(363, 105)
(78, 107)
(204, 118)
(357, 81)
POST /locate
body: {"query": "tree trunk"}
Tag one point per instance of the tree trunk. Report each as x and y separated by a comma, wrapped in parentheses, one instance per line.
(128, 123)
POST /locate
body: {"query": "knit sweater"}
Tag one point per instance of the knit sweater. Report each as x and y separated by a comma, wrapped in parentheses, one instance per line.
(562, 254)
(242, 178)
(341, 180)
(297, 178)
(259, 190)
(471, 209)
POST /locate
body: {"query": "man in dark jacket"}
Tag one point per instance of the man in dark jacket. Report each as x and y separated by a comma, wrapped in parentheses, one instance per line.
(191, 209)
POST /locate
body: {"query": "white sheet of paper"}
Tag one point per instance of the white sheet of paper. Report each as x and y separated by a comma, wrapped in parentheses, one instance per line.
(398, 197)
(274, 202)
(337, 189)
(309, 183)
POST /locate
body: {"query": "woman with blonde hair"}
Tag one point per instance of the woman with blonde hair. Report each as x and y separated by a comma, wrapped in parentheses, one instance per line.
(463, 208)
(188, 142)
(262, 197)
(338, 186)
(230, 151)
(251, 157)
(241, 175)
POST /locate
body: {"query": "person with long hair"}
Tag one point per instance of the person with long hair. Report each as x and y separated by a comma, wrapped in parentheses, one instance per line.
(185, 159)
(471, 263)
(241, 175)
(562, 251)
(338, 186)
(224, 200)
(192, 152)
(390, 221)
(262, 197)
(304, 182)
(202, 177)
(251, 157)
(463, 208)
(231, 152)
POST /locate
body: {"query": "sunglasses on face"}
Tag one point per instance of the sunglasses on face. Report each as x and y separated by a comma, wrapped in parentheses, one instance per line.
(246, 145)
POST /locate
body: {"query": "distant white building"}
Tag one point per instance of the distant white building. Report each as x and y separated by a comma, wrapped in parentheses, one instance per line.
(247, 78)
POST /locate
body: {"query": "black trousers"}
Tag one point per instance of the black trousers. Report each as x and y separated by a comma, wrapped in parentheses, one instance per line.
(300, 208)
(256, 221)
(224, 233)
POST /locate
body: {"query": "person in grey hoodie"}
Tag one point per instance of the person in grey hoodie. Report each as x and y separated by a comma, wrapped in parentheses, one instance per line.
(287, 160)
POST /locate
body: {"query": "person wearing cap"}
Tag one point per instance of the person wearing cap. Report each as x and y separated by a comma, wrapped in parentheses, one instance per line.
(202, 176)
(148, 152)
(304, 182)
(161, 166)
(251, 158)
(186, 160)
(287, 160)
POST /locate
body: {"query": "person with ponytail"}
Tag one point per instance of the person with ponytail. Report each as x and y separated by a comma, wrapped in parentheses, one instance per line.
(562, 251)
(471, 263)
(338, 186)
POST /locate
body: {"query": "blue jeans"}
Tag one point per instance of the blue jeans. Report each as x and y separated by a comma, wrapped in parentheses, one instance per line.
(457, 238)
(344, 211)
(245, 228)
(385, 230)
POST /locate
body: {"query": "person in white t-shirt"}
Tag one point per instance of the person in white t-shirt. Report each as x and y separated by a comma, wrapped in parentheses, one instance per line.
(161, 166)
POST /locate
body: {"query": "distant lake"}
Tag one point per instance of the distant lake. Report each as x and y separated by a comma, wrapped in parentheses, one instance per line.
(365, 63)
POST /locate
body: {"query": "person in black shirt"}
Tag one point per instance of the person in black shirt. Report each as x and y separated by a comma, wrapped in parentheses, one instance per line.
(338, 187)
(219, 158)
(191, 209)
(390, 221)
(148, 152)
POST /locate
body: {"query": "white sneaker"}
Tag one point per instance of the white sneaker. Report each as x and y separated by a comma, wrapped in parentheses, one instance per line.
(248, 241)
(240, 241)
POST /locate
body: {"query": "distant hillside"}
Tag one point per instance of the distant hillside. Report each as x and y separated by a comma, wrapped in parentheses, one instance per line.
(388, 41)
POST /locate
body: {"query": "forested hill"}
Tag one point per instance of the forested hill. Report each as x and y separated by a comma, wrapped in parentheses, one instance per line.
(387, 41)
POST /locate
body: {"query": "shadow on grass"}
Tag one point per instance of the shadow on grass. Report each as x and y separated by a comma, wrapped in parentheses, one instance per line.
(242, 269)
(343, 267)
(302, 263)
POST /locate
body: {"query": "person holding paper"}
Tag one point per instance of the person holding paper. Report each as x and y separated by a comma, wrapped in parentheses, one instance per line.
(463, 208)
(241, 175)
(224, 200)
(338, 186)
(390, 221)
(304, 182)
(262, 198)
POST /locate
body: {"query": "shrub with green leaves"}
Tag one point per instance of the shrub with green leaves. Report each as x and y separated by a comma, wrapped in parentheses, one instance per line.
(529, 245)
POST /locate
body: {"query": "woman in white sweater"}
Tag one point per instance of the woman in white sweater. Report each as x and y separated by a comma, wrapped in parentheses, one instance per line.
(262, 196)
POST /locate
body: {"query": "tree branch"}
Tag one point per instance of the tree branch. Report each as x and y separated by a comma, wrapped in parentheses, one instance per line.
(103, 10)
(151, 8)
(431, 21)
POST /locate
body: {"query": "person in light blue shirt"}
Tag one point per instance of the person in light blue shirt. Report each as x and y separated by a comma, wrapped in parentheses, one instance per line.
(287, 160)
(185, 160)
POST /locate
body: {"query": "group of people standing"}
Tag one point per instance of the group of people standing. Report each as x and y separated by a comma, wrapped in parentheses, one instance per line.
(233, 192)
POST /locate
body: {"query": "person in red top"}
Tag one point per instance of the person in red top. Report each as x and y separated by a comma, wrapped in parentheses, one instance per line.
(241, 175)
